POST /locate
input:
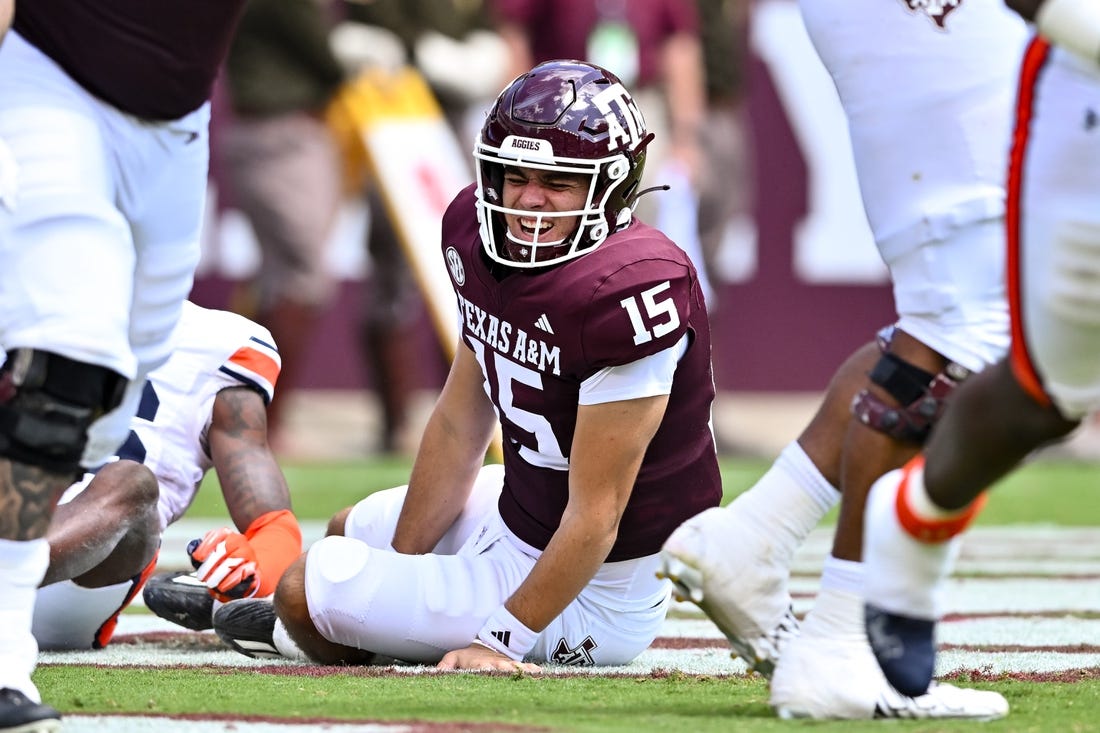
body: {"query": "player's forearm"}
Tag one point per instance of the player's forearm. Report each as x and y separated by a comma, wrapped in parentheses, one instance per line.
(442, 476)
(251, 480)
(568, 564)
(252, 484)
(609, 444)
(452, 450)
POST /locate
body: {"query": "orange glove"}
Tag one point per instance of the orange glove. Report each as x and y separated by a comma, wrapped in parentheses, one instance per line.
(241, 566)
(226, 562)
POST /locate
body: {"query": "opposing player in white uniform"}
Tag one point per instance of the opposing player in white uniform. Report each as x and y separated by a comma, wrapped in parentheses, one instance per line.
(1050, 380)
(927, 89)
(204, 408)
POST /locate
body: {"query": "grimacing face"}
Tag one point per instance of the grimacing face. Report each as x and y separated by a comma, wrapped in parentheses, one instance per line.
(542, 192)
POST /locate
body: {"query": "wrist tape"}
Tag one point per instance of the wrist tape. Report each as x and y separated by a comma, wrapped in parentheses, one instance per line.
(506, 634)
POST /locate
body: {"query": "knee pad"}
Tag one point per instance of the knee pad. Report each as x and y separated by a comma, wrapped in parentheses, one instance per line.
(47, 403)
(921, 396)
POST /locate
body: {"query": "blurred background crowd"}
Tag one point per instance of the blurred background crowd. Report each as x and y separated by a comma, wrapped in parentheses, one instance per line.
(307, 235)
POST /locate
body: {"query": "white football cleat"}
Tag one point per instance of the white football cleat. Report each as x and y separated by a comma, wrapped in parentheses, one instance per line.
(829, 673)
(943, 702)
(738, 575)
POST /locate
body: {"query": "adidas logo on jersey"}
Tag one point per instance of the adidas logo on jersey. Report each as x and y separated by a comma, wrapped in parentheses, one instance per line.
(543, 324)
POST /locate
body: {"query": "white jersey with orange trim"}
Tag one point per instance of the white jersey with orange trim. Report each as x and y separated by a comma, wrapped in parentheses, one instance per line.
(1054, 230)
(212, 350)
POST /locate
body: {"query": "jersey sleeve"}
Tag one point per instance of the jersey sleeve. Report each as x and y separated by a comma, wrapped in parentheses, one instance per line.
(255, 364)
(640, 310)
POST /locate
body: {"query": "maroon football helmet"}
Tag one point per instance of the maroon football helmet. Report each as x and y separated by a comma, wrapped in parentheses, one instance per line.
(568, 117)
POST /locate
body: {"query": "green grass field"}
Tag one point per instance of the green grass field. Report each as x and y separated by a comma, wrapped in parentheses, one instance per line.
(1063, 493)
(1042, 493)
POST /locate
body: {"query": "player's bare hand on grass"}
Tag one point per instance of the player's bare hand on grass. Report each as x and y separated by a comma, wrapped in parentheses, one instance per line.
(483, 659)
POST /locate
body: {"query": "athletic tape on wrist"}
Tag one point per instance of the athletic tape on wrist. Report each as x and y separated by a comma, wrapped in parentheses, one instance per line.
(1072, 24)
(506, 634)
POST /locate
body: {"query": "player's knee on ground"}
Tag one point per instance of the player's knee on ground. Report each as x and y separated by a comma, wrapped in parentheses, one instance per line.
(47, 403)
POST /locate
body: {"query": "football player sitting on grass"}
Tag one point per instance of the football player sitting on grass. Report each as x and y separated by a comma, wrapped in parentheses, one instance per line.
(585, 339)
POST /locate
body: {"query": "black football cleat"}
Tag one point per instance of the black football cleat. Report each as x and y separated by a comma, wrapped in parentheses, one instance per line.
(19, 714)
(248, 626)
(180, 598)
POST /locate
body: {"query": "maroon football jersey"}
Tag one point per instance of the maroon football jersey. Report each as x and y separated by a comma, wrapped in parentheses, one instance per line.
(538, 334)
(155, 59)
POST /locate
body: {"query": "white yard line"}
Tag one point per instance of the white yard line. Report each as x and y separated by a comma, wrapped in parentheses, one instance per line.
(1032, 620)
(146, 723)
(1029, 587)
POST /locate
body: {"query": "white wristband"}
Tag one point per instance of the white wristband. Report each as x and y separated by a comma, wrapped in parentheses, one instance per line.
(506, 634)
(1072, 24)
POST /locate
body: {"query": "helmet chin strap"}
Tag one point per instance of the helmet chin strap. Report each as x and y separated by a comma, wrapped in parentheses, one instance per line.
(651, 189)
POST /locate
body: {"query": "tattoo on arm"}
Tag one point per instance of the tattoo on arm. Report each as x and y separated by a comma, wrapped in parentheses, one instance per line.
(28, 495)
(252, 482)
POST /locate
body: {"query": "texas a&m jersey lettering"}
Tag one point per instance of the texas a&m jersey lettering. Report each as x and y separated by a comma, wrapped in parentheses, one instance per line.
(510, 340)
(502, 374)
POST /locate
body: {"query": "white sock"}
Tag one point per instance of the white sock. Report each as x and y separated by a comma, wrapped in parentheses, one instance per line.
(837, 614)
(22, 567)
(842, 575)
(809, 477)
(907, 576)
(67, 616)
(791, 498)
